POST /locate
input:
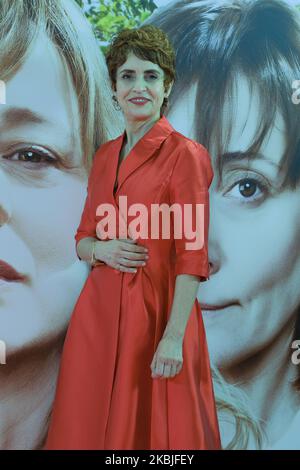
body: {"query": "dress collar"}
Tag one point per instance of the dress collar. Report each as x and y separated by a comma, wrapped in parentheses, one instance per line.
(154, 136)
(141, 152)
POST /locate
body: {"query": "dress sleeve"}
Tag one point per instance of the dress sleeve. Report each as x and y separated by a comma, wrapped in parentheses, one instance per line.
(190, 182)
(87, 225)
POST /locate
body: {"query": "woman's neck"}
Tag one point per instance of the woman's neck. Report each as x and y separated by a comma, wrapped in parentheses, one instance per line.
(266, 378)
(135, 130)
(27, 394)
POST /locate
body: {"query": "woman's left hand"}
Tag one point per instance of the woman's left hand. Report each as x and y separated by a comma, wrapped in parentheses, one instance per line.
(167, 360)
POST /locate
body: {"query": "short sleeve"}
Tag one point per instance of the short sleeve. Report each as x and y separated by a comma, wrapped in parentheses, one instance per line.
(189, 188)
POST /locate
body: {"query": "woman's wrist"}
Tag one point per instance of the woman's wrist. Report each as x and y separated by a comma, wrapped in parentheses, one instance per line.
(93, 259)
(96, 257)
(173, 334)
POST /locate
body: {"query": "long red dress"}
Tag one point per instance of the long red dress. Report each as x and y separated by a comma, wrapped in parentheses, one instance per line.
(105, 396)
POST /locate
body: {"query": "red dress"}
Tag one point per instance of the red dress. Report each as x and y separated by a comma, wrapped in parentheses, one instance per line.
(105, 396)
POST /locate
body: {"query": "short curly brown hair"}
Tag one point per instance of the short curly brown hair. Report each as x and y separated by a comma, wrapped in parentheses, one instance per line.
(148, 43)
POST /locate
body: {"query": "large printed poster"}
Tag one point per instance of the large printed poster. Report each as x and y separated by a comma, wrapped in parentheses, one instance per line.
(237, 92)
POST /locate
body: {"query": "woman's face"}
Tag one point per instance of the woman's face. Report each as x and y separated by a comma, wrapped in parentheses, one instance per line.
(140, 89)
(254, 239)
(42, 191)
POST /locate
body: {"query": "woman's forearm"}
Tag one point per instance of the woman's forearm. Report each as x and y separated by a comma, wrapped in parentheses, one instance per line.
(85, 248)
(186, 288)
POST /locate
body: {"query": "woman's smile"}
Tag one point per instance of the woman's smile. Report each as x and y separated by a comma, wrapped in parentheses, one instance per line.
(139, 101)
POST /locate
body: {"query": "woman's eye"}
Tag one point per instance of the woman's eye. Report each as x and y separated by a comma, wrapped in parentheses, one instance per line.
(148, 77)
(248, 190)
(32, 158)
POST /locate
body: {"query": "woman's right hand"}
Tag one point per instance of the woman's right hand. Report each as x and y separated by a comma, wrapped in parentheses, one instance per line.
(122, 254)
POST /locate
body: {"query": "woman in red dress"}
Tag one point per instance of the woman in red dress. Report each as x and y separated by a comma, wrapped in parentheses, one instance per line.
(135, 371)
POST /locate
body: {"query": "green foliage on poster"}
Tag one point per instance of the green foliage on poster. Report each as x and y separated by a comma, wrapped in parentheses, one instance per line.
(108, 17)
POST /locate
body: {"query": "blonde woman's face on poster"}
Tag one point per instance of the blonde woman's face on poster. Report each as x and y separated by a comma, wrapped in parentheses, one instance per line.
(254, 239)
(42, 191)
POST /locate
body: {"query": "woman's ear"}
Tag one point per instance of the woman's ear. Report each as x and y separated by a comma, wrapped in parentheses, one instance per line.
(113, 86)
(169, 88)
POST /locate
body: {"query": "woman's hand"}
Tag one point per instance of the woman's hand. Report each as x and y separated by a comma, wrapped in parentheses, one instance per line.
(167, 360)
(122, 254)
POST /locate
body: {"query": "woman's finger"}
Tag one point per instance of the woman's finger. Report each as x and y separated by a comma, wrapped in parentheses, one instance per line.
(167, 370)
(160, 368)
(173, 371)
(126, 269)
(130, 255)
(129, 263)
(132, 248)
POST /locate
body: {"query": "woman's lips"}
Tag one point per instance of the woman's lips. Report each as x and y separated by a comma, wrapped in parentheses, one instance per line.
(139, 101)
(9, 274)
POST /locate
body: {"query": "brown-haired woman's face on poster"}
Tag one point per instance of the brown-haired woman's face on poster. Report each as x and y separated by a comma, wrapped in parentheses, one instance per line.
(42, 188)
(254, 239)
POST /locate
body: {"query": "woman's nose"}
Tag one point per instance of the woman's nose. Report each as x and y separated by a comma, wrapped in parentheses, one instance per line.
(139, 84)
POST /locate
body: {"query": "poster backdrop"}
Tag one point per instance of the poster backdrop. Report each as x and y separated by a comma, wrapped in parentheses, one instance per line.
(237, 92)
